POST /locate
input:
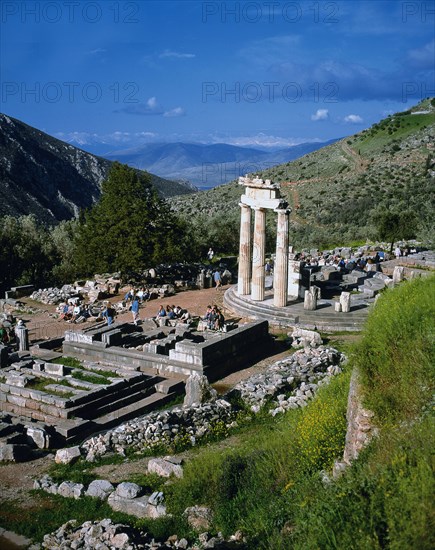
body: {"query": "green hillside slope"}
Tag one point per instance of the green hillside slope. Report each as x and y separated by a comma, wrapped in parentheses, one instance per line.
(334, 191)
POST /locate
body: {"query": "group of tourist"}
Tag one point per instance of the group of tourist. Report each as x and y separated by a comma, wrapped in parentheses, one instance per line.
(142, 295)
(214, 318)
(172, 313)
(74, 312)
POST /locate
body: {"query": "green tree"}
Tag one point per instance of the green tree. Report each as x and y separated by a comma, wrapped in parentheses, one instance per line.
(394, 225)
(129, 228)
(24, 252)
(62, 252)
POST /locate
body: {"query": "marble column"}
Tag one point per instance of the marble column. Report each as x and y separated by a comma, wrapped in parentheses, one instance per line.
(244, 278)
(259, 255)
(280, 270)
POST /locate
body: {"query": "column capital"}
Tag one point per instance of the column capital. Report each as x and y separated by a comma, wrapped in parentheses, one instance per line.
(287, 210)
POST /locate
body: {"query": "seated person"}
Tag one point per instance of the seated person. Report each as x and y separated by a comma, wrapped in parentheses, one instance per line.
(170, 313)
(139, 295)
(63, 310)
(207, 314)
(211, 323)
(220, 320)
(161, 312)
(146, 295)
(76, 312)
(4, 335)
(185, 316)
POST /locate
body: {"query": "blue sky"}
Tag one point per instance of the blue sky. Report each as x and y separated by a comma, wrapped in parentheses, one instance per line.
(258, 72)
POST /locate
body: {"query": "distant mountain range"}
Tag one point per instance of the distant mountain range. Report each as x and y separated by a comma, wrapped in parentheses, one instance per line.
(51, 179)
(207, 166)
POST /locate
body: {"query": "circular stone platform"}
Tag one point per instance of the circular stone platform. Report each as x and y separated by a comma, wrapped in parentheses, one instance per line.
(324, 319)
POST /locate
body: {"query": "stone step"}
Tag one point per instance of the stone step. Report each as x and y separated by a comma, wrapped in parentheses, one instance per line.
(109, 401)
(133, 410)
(171, 385)
(116, 404)
(295, 314)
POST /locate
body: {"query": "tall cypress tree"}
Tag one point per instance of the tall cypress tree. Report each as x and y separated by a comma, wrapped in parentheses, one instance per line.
(119, 232)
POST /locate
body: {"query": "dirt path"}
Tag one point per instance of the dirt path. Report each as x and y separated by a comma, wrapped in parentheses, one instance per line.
(43, 324)
(360, 162)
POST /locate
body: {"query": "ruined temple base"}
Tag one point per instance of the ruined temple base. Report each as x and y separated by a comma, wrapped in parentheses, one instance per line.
(324, 318)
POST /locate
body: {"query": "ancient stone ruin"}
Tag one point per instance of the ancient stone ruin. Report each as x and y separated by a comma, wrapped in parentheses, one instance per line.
(123, 371)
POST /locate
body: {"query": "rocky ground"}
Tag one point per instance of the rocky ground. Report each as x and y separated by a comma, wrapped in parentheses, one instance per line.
(16, 479)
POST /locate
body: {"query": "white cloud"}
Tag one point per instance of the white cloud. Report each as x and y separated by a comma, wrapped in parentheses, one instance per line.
(177, 55)
(97, 51)
(178, 111)
(320, 114)
(422, 58)
(150, 108)
(152, 103)
(353, 119)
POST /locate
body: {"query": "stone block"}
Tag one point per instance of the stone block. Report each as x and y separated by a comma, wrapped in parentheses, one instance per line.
(39, 437)
(310, 300)
(137, 507)
(69, 489)
(16, 400)
(39, 366)
(50, 410)
(54, 368)
(164, 468)
(14, 452)
(67, 455)
(128, 490)
(100, 488)
(112, 337)
(398, 274)
(199, 517)
(198, 390)
(345, 300)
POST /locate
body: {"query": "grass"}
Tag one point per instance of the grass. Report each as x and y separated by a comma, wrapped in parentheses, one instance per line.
(397, 353)
(41, 384)
(268, 477)
(88, 376)
(68, 362)
(247, 485)
(53, 510)
(80, 372)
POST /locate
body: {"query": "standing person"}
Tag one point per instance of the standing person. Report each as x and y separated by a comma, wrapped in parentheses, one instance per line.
(397, 252)
(210, 254)
(217, 279)
(109, 313)
(135, 309)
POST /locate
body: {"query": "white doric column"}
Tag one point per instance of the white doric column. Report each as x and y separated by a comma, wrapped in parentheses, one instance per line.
(280, 270)
(244, 278)
(258, 255)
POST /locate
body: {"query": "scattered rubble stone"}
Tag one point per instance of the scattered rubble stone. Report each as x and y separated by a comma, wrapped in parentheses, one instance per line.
(106, 535)
(161, 428)
(291, 381)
